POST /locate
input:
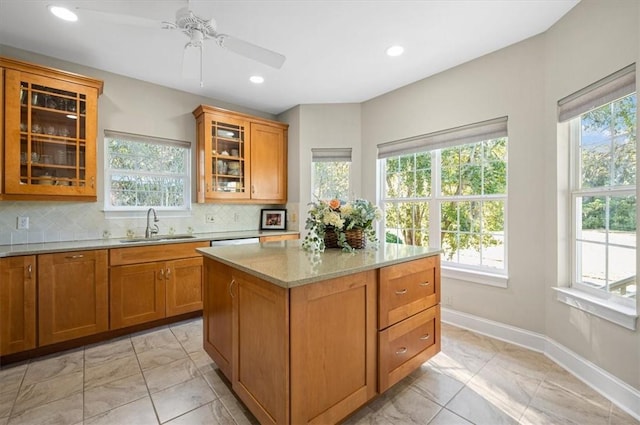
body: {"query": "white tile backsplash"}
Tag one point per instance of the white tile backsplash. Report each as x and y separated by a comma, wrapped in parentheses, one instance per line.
(68, 221)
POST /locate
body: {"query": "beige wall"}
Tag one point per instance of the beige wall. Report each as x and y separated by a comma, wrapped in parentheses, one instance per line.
(524, 82)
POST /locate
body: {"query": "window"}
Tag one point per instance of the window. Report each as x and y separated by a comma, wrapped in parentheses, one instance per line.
(143, 172)
(449, 190)
(603, 194)
(331, 168)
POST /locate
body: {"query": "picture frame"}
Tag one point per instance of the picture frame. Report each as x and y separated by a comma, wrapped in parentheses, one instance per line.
(273, 219)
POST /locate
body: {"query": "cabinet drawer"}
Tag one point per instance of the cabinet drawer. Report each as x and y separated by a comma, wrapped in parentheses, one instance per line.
(404, 346)
(408, 288)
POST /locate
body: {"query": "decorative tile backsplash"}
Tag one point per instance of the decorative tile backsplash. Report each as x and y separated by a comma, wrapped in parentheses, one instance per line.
(67, 221)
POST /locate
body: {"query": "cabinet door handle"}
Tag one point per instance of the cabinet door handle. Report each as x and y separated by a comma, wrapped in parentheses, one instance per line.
(425, 283)
(168, 275)
(233, 281)
(93, 182)
(253, 189)
(74, 257)
(161, 274)
(29, 270)
(401, 292)
(401, 351)
(425, 337)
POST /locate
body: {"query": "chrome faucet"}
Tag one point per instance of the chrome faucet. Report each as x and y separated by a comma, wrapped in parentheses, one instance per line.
(151, 230)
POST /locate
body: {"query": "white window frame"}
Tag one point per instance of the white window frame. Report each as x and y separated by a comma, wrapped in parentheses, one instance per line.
(434, 142)
(619, 310)
(330, 155)
(124, 211)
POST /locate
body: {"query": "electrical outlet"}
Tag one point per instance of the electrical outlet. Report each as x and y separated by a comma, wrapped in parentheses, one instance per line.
(23, 223)
(293, 217)
(236, 217)
(209, 218)
(448, 301)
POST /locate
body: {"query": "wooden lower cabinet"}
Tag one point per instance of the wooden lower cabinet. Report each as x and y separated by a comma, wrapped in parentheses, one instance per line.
(279, 238)
(152, 282)
(333, 348)
(17, 304)
(137, 294)
(216, 316)
(72, 295)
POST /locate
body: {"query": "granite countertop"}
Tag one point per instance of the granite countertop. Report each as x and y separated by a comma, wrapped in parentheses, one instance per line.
(51, 247)
(286, 264)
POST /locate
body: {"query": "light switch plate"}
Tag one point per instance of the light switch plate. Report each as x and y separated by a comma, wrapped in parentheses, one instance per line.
(23, 223)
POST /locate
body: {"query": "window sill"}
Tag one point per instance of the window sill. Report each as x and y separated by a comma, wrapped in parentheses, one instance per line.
(482, 278)
(613, 312)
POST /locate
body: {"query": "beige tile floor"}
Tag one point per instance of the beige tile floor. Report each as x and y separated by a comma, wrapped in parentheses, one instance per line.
(164, 376)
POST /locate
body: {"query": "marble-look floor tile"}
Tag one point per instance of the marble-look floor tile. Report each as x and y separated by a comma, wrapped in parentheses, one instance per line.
(155, 338)
(182, 398)
(507, 390)
(190, 337)
(114, 394)
(402, 404)
(113, 370)
(619, 417)
(65, 411)
(238, 411)
(477, 409)
(565, 380)
(218, 382)
(203, 361)
(446, 417)
(450, 366)
(39, 393)
(162, 355)
(4, 421)
(522, 361)
(213, 413)
(7, 398)
(170, 374)
(54, 365)
(108, 351)
(553, 404)
(435, 385)
(138, 412)
(11, 377)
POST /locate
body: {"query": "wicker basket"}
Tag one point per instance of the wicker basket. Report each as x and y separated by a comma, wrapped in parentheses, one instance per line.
(355, 238)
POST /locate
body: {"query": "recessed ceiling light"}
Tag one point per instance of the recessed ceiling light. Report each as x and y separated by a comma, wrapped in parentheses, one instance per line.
(395, 50)
(63, 13)
(256, 79)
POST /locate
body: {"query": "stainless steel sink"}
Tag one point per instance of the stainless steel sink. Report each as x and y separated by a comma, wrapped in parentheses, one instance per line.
(157, 238)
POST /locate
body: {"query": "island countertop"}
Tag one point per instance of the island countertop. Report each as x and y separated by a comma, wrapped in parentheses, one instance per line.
(287, 265)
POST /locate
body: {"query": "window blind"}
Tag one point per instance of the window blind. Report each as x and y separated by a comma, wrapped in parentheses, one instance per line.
(484, 130)
(112, 134)
(331, 154)
(606, 90)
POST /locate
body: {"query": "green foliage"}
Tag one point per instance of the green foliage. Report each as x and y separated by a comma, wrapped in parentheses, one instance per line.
(331, 179)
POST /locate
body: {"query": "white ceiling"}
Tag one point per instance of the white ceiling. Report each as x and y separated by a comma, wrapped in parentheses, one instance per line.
(335, 50)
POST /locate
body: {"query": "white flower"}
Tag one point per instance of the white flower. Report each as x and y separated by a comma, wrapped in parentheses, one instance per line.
(333, 219)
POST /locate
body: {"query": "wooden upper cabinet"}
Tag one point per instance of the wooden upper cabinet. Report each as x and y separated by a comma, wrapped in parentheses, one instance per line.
(241, 158)
(17, 304)
(50, 130)
(72, 295)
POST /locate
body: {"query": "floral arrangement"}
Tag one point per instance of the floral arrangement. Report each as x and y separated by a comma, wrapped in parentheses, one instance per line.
(339, 217)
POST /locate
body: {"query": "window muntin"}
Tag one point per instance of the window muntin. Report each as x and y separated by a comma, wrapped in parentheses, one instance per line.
(604, 199)
(143, 172)
(465, 215)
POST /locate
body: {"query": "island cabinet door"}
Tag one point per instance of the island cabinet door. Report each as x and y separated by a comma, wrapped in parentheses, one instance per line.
(73, 295)
(261, 347)
(333, 348)
(217, 314)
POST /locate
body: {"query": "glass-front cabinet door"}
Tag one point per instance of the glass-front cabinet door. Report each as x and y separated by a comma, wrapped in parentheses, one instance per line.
(50, 143)
(225, 154)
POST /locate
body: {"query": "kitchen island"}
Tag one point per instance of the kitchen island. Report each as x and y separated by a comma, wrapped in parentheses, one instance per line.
(312, 337)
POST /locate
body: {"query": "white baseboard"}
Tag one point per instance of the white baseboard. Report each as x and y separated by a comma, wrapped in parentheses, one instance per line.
(620, 393)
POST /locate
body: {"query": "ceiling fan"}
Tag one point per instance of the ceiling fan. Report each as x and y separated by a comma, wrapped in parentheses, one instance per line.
(199, 30)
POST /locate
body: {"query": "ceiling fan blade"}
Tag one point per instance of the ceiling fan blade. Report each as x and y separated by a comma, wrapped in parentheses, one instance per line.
(251, 51)
(119, 18)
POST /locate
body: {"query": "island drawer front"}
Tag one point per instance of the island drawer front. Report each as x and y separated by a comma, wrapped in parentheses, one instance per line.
(404, 346)
(150, 253)
(408, 288)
